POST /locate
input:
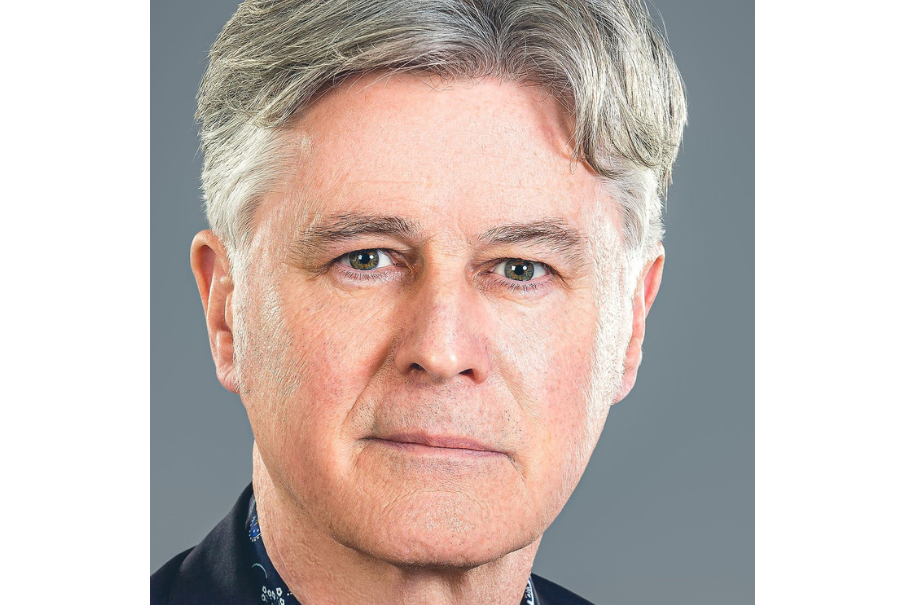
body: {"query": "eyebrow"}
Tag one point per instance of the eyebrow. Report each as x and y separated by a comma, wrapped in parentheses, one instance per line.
(549, 232)
(341, 227)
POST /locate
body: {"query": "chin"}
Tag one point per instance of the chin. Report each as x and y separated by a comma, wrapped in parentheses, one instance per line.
(445, 530)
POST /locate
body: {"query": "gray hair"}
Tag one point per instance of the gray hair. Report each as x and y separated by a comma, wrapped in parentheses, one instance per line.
(603, 60)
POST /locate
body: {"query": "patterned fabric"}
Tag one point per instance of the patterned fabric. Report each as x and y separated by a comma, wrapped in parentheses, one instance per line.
(273, 590)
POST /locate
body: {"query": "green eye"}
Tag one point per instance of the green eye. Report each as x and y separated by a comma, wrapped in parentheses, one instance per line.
(518, 269)
(367, 260)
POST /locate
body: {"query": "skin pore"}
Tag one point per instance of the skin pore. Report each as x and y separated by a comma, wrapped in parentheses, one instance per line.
(427, 331)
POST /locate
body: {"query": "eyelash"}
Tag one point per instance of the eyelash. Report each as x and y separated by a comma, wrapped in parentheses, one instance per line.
(526, 286)
(511, 285)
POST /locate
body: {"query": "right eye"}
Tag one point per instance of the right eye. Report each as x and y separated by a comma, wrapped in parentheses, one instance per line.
(518, 269)
(367, 260)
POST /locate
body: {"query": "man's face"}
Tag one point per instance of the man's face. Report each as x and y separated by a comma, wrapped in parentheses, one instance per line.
(432, 320)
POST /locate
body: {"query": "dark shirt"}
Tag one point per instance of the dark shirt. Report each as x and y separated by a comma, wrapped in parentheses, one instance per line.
(231, 566)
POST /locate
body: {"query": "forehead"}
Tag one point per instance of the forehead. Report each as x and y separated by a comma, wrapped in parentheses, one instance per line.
(464, 155)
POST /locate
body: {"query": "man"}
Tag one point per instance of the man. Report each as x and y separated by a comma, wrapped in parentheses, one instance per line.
(435, 238)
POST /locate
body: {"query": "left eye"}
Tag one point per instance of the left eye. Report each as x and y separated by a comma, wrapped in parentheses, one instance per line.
(518, 269)
(368, 260)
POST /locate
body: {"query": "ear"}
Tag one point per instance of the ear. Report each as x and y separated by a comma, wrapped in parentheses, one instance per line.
(215, 284)
(645, 293)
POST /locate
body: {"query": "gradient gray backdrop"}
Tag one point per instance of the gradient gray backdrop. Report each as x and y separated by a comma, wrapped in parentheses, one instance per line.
(665, 511)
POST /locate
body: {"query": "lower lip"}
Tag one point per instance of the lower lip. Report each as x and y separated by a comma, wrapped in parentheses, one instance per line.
(419, 449)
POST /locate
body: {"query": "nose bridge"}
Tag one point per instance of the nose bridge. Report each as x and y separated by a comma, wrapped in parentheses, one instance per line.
(446, 335)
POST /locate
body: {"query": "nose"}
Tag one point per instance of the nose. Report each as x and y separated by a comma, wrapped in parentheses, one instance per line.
(445, 333)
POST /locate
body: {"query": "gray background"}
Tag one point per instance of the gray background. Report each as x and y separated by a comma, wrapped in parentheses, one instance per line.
(665, 511)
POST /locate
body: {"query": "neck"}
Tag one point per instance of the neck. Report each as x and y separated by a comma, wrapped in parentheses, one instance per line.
(321, 571)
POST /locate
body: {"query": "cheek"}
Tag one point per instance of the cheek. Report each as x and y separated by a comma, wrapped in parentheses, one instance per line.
(329, 348)
(549, 366)
(308, 358)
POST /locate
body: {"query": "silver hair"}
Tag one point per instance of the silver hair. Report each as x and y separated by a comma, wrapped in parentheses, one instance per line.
(604, 61)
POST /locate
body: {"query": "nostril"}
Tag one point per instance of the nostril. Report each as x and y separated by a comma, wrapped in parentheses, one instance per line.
(469, 373)
(415, 366)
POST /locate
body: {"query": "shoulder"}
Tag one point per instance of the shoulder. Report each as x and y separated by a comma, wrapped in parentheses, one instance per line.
(550, 593)
(163, 579)
(209, 572)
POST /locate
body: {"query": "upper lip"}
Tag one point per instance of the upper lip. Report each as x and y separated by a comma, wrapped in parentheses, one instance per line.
(453, 442)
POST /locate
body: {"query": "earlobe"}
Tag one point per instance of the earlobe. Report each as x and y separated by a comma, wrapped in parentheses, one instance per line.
(643, 299)
(210, 265)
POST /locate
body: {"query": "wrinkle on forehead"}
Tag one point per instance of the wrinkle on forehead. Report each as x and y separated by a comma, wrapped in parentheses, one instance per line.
(540, 113)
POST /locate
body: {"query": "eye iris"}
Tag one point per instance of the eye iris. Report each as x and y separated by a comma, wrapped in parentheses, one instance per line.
(520, 270)
(364, 260)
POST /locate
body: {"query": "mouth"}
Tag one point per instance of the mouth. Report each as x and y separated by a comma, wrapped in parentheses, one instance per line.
(437, 445)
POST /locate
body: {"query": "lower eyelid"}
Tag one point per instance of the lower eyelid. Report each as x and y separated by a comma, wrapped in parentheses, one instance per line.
(373, 275)
(536, 285)
(521, 286)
